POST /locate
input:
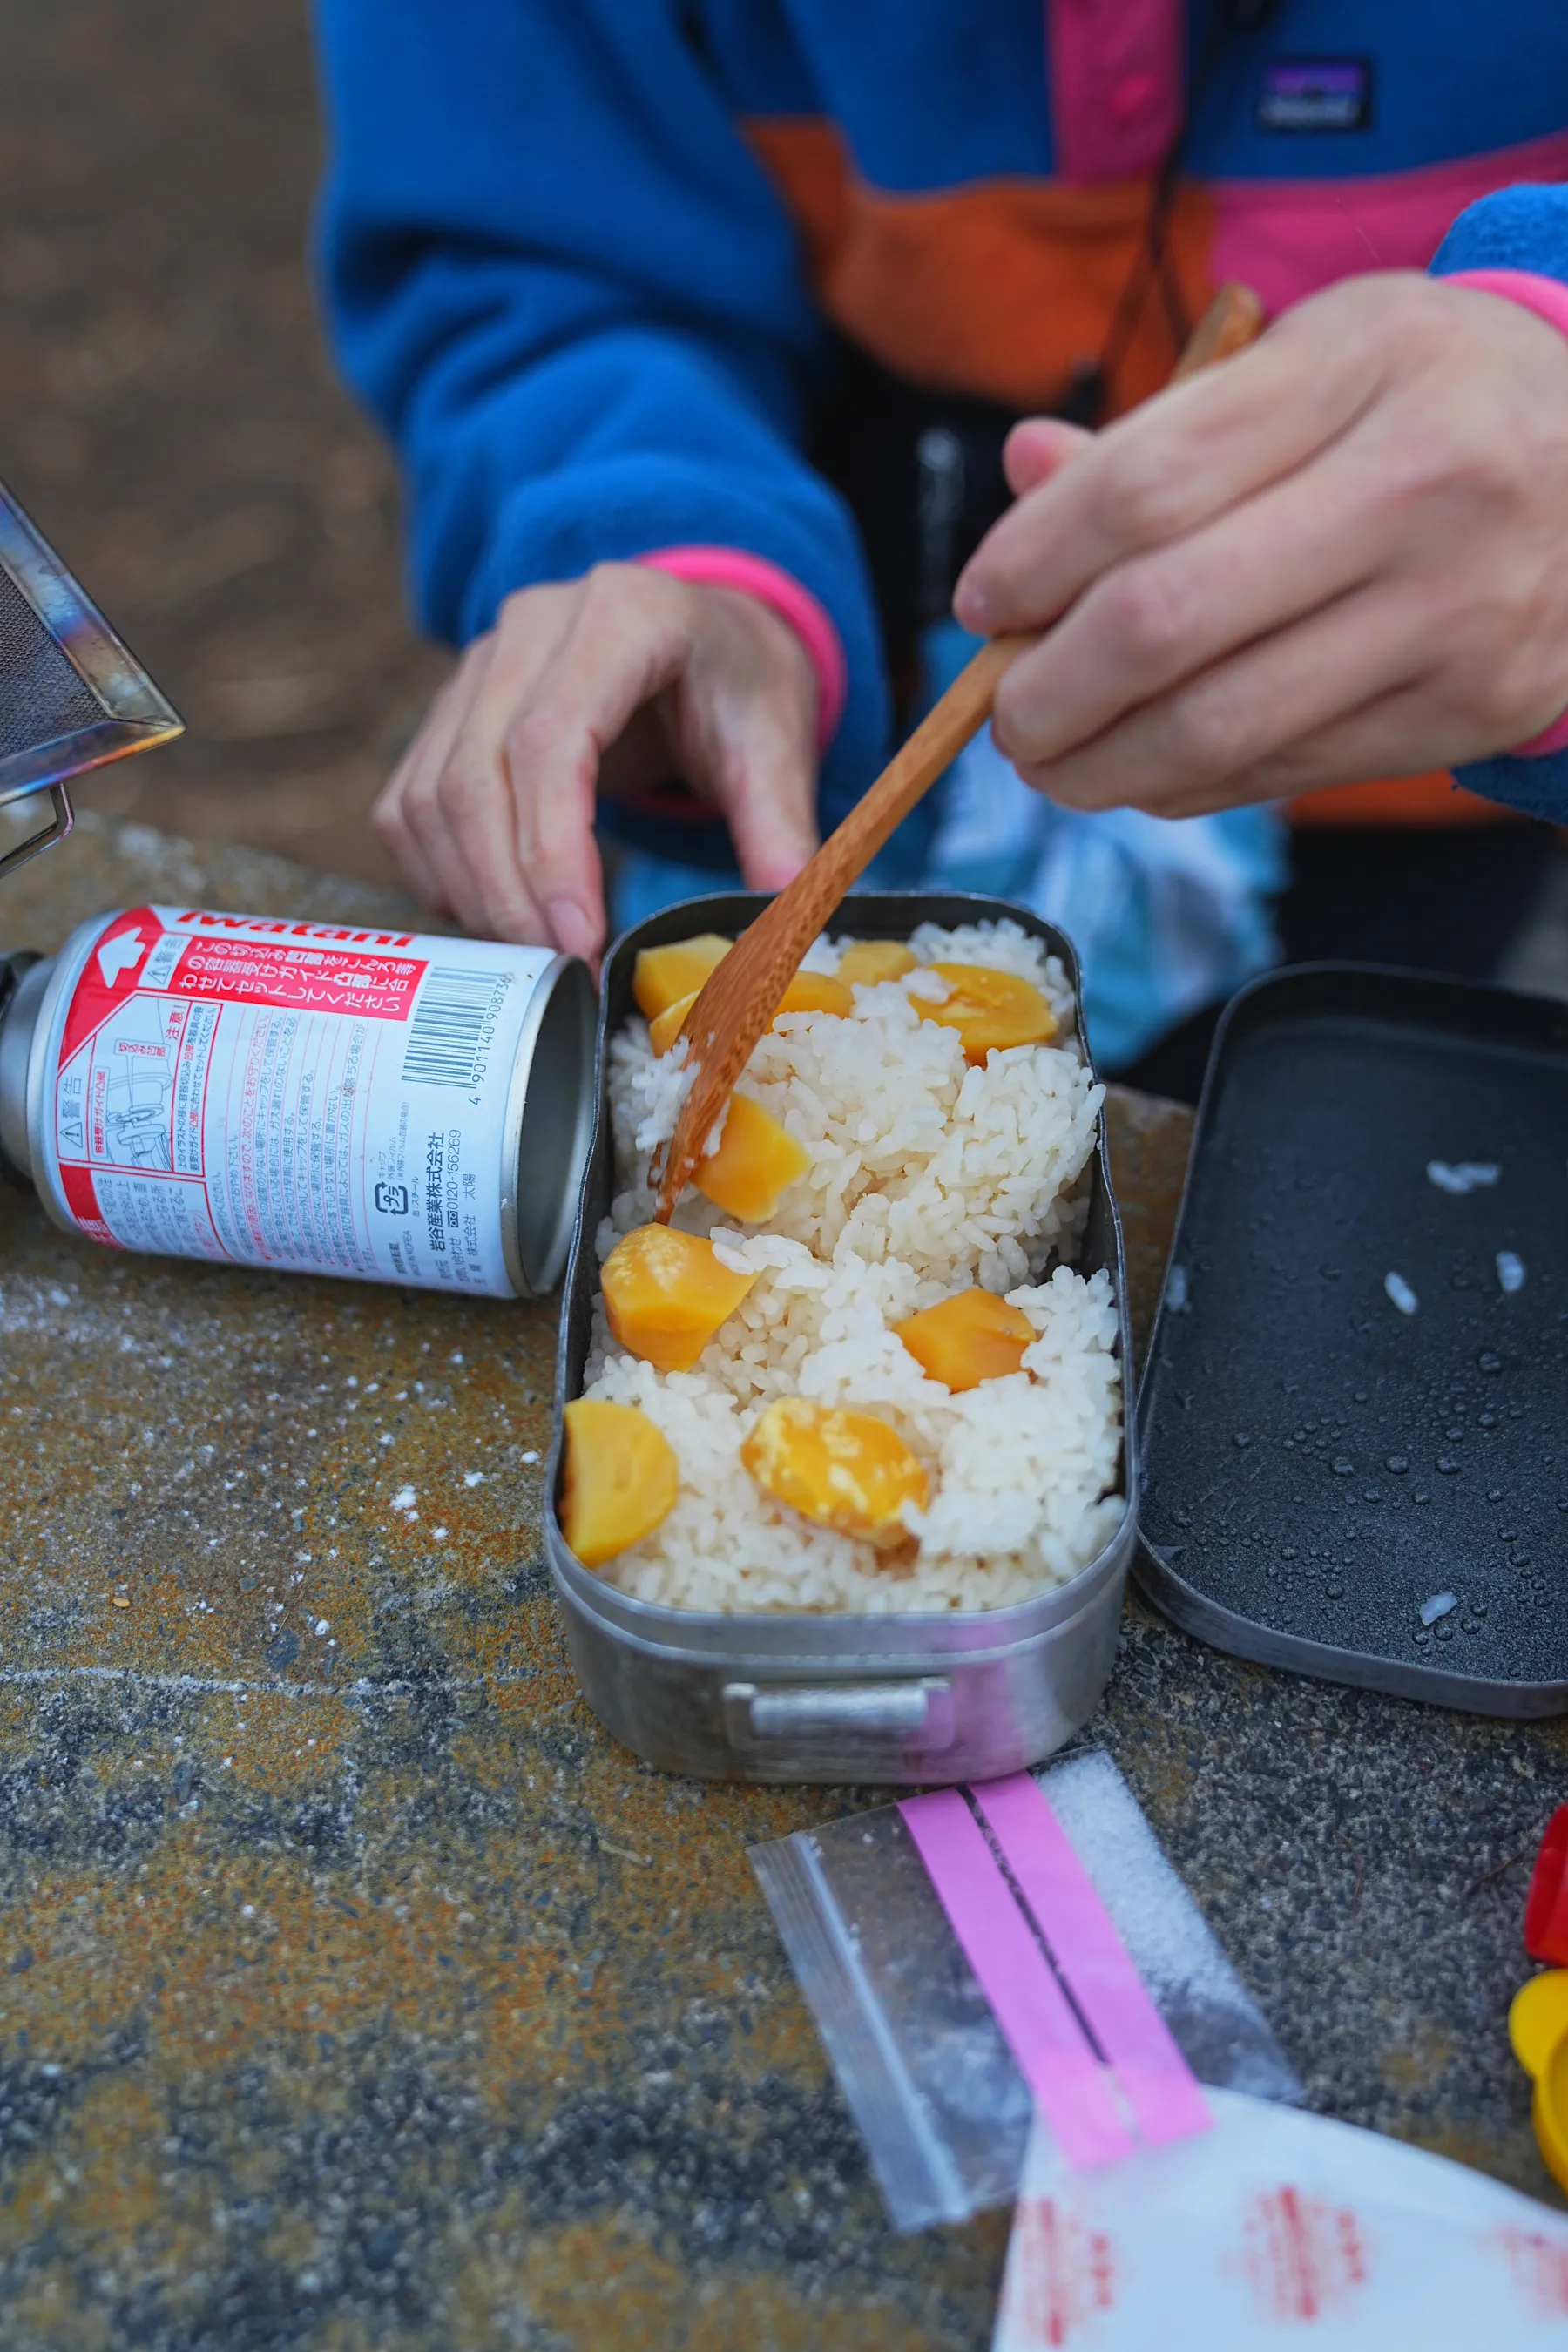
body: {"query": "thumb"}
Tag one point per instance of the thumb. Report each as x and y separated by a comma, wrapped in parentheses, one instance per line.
(1037, 448)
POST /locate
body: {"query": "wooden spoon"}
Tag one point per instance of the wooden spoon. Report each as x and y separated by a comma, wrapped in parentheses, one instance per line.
(743, 994)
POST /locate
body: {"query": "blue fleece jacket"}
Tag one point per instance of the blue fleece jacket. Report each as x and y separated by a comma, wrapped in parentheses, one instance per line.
(562, 277)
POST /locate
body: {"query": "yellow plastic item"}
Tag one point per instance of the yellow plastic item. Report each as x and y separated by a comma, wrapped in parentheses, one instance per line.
(817, 991)
(665, 1027)
(622, 1478)
(1549, 2112)
(665, 1294)
(661, 974)
(970, 1338)
(1538, 2019)
(756, 1162)
(845, 1470)
(990, 1010)
(865, 961)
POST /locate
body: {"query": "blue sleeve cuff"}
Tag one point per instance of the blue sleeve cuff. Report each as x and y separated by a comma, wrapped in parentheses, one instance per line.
(1535, 787)
(1517, 229)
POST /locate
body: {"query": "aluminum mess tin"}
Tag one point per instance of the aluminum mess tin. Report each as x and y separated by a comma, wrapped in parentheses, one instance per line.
(775, 1697)
(320, 1100)
(1353, 1418)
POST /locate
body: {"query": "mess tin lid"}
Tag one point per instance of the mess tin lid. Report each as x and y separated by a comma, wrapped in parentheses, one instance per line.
(1353, 1418)
(72, 695)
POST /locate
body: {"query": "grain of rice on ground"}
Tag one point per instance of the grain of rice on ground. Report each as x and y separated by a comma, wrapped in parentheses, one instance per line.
(927, 1177)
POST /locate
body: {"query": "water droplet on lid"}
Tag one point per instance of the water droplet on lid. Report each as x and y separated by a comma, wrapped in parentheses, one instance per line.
(1397, 1464)
(1488, 1420)
(1343, 1465)
(1488, 1362)
(1444, 1632)
(1242, 1438)
(1372, 1495)
(1447, 1465)
(1361, 1396)
(1519, 1559)
(1422, 1496)
(1334, 1590)
(1287, 1551)
(1494, 1494)
(1507, 1535)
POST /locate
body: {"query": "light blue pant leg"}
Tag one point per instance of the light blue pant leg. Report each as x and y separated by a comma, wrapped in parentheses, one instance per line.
(1168, 916)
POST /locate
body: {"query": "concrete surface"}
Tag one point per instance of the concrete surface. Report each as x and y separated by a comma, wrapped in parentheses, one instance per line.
(357, 1991)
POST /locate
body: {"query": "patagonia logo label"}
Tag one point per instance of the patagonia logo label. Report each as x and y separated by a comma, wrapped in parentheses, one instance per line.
(1316, 94)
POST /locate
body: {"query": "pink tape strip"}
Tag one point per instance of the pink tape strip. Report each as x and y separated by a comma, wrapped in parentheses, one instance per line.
(1069, 2084)
(1153, 2072)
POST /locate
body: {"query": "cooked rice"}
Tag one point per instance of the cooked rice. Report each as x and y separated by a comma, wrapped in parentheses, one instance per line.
(927, 1176)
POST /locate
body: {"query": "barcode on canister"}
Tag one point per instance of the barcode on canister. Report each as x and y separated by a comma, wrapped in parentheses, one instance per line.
(452, 1025)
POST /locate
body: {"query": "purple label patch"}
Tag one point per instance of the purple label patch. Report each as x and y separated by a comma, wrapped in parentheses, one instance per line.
(1316, 94)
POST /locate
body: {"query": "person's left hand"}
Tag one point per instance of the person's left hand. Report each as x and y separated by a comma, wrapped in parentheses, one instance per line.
(1342, 554)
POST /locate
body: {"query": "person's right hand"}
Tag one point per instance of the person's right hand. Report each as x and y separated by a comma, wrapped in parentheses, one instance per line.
(612, 683)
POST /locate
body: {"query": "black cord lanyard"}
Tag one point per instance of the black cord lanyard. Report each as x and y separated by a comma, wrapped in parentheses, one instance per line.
(1087, 397)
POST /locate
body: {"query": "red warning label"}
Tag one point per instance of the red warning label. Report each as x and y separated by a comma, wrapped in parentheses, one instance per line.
(302, 978)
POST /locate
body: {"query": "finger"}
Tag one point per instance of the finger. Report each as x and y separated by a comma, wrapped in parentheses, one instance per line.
(1385, 738)
(1035, 449)
(472, 822)
(1246, 711)
(1160, 617)
(630, 635)
(450, 771)
(1401, 733)
(389, 816)
(389, 823)
(1179, 459)
(764, 770)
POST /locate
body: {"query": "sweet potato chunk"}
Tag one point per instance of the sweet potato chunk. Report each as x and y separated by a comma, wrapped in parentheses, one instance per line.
(621, 1478)
(666, 1027)
(756, 1161)
(990, 1010)
(865, 961)
(970, 1338)
(845, 1470)
(808, 991)
(661, 974)
(817, 991)
(665, 1294)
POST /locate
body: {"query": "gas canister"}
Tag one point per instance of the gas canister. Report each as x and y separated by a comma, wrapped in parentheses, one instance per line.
(304, 1095)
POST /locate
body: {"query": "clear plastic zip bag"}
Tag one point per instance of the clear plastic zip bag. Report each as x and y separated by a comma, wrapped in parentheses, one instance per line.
(944, 2107)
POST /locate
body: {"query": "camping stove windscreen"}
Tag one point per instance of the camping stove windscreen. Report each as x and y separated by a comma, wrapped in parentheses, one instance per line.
(72, 696)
